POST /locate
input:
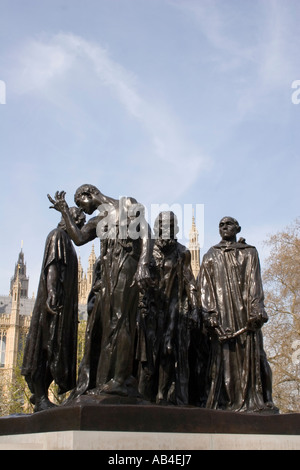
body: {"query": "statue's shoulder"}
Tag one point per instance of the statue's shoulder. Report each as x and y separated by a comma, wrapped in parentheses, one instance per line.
(211, 253)
(183, 252)
(54, 234)
(241, 243)
(182, 249)
(93, 221)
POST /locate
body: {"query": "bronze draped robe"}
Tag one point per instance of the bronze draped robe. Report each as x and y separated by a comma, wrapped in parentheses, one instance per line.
(164, 327)
(55, 334)
(111, 327)
(231, 293)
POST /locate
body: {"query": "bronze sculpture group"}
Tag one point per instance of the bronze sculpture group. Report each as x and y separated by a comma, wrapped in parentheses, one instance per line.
(153, 330)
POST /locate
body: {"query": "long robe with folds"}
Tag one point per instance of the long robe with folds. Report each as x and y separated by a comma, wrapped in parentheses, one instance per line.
(232, 294)
(55, 335)
(164, 327)
(118, 306)
(111, 328)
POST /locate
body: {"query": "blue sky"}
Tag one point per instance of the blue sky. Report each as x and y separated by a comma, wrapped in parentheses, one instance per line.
(168, 101)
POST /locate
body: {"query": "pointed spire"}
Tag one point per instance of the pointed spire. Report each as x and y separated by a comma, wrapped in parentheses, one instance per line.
(20, 271)
(79, 264)
(194, 247)
(85, 279)
(92, 257)
(17, 281)
(16, 291)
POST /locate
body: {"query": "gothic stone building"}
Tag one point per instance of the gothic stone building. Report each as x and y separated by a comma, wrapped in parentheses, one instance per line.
(15, 315)
(16, 310)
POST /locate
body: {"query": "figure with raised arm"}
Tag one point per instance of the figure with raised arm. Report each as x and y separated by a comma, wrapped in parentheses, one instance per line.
(107, 364)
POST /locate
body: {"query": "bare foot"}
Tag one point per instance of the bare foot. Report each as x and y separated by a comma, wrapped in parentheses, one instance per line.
(115, 388)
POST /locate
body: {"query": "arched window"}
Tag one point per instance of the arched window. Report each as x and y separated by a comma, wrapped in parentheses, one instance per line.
(2, 348)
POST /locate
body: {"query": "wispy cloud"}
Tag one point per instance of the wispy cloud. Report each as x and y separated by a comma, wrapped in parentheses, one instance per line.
(217, 22)
(45, 66)
(39, 63)
(278, 60)
(254, 44)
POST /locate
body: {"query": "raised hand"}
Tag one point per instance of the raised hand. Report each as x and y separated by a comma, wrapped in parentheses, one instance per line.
(59, 203)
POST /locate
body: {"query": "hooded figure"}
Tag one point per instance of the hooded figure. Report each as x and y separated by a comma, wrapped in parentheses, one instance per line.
(50, 350)
(232, 298)
(166, 313)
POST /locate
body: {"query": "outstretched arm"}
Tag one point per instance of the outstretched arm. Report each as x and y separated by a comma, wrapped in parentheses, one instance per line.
(79, 236)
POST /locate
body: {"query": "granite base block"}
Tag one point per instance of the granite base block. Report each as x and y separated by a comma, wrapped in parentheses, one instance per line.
(112, 423)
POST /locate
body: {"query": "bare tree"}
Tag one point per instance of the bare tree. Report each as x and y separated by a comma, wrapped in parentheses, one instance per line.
(14, 391)
(282, 333)
(15, 394)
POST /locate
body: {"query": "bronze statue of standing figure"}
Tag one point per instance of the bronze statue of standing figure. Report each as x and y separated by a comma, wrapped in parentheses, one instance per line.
(152, 330)
(232, 302)
(51, 344)
(107, 365)
(168, 309)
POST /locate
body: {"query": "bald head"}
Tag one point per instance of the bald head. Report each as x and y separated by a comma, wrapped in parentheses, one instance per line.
(229, 228)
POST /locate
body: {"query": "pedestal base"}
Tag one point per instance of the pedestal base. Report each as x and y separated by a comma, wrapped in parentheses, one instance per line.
(112, 423)
(113, 442)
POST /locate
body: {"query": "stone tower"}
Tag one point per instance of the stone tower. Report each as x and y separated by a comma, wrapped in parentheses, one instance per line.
(90, 270)
(194, 248)
(85, 280)
(20, 271)
(12, 341)
(15, 316)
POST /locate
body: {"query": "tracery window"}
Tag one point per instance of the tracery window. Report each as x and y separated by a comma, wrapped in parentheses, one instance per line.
(2, 347)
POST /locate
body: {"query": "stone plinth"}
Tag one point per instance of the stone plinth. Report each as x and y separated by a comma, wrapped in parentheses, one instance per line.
(115, 423)
(131, 443)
